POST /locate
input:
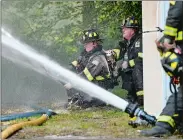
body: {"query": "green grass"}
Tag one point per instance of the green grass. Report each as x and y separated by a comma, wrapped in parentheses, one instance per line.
(108, 122)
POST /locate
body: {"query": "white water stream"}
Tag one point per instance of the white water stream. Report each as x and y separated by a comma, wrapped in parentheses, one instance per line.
(22, 54)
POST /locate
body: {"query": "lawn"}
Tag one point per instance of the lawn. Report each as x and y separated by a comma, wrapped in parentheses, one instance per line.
(106, 122)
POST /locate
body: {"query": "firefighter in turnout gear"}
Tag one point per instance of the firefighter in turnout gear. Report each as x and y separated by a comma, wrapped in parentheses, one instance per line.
(91, 65)
(130, 51)
(170, 47)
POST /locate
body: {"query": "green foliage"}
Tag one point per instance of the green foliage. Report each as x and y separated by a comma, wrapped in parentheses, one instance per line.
(54, 28)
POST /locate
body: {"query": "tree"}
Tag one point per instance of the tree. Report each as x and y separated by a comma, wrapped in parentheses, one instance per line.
(55, 28)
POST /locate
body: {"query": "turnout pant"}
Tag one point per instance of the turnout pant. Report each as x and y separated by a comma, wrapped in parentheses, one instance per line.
(169, 118)
(132, 81)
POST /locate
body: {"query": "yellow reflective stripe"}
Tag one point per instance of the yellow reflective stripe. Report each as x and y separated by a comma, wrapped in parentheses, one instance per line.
(172, 2)
(179, 36)
(140, 55)
(167, 119)
(94, 34)
(174, 65)
(173, 56)
(132, 63)
(176, 115)
(88, 74)
(90, 35)
(133, 119)
(108, 75)
(140, 93)
(170, 31)
(131, 21)
(117, 51)
(170, 74)
(99, 78)
(166, 54)
(75, 63)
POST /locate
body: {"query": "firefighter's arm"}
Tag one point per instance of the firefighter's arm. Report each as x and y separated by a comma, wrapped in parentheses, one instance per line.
(72, 67)
(116, 52)
(138, 58)
(92, 69)
(120, 51)
(173, 21)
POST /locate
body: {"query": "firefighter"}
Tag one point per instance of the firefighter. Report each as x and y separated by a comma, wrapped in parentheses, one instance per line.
(129, 53)
(170, 47)
(91, 65)
(132, 67)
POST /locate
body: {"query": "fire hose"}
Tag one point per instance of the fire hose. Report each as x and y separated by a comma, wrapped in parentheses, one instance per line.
(62, 75)
(22, 115)
(12, 129)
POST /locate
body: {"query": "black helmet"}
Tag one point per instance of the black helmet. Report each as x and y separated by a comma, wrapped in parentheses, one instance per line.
(172, 63)
(130, 22)
(90, 36)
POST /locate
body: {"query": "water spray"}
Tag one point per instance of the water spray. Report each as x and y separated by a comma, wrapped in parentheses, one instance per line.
(14, 50)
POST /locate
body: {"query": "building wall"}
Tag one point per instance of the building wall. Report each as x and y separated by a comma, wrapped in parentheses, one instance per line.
(153, 75)
(164, 6)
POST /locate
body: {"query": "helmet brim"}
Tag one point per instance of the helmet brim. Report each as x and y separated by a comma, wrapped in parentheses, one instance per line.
(100, 39)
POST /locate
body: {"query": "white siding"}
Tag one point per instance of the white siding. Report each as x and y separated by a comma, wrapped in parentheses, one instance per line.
(164, 6)
(156, 83)
(153, 78)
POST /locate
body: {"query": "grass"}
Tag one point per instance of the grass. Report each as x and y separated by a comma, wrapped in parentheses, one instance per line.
(106, 122)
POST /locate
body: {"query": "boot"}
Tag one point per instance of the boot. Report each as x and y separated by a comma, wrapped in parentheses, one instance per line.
(158, 131)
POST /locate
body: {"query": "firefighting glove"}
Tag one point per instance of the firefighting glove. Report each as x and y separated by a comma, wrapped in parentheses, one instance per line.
(125, 65)
(165, 44)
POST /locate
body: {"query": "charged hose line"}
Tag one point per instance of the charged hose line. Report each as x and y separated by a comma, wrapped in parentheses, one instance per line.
(12, 129)
(22, 115)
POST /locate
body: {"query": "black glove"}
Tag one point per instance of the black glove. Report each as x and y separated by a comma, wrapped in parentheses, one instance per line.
(165, 44)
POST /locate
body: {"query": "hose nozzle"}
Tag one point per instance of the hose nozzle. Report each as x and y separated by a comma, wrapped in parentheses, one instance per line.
(144, 116)
(133, 110)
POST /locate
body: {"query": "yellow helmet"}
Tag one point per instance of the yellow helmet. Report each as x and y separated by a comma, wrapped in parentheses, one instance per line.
(172, 63)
